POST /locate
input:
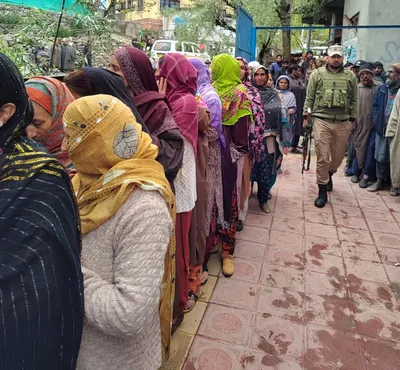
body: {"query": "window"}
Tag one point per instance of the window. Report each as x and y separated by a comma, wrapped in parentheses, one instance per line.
(162, 46)
(140, 5)
(196, 49)
(129, 4)
(178, 46)
(169, 4)
(187, 48)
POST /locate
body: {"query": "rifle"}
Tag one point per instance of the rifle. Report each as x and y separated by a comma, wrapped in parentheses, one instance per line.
(307, 143)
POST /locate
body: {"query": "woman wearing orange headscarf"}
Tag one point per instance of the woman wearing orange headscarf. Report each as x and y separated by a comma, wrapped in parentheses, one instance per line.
(49, 98)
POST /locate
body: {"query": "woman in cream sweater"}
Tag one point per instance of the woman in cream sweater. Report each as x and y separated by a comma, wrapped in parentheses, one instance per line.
(127, 212)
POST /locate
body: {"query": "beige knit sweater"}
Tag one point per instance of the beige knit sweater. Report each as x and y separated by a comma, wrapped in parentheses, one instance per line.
(123, 265)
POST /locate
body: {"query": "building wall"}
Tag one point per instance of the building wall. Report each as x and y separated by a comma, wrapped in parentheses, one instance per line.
(374, 44)
(151, 16)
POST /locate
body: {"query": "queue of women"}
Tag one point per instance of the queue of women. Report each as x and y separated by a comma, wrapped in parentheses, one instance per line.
(116, 186)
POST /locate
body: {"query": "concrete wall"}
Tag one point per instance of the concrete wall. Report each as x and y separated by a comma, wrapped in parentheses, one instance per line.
(375, 44)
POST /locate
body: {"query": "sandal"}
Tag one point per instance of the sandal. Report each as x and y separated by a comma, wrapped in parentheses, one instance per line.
(192, 300)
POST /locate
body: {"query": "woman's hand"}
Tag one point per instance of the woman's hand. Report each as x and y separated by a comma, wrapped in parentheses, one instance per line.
(285, 150)
(162, 86)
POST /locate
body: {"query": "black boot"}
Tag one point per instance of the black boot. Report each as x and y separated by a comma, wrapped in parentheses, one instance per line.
(329, 185)
(322, 196)
(239, 226)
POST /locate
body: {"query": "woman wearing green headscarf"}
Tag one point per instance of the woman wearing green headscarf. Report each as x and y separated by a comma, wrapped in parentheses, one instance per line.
(236, 118)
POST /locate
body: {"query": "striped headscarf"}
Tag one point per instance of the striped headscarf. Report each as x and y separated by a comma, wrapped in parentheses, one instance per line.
(54, 97)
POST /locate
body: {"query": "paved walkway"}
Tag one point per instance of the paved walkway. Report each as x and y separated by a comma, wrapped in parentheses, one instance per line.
(313, 289)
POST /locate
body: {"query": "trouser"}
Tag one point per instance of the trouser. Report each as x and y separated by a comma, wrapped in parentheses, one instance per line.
(382, 170)
(295, 141)
(330, 145)
(182, 227)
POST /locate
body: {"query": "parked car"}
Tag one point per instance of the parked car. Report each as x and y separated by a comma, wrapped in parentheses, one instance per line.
(188, 49)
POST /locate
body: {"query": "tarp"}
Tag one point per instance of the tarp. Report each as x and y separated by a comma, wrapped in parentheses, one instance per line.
(50, 5)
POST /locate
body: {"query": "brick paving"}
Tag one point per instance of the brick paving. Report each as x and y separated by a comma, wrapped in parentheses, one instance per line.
(313, 289)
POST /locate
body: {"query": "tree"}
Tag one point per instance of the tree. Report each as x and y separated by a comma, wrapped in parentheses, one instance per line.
(208, 17)
(29, 28)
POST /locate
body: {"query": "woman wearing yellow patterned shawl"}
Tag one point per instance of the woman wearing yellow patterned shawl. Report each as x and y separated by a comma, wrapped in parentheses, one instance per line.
(127, 210)
(236, 119)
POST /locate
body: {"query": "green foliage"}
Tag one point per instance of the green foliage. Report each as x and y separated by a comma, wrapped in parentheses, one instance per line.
(24, 29)
(207, 17)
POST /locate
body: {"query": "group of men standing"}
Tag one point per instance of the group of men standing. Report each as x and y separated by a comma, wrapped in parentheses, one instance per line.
(374, 163)
(64, 56)
(360, 110)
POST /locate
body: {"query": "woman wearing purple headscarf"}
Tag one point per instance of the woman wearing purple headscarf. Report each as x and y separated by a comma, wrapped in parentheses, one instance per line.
(216, 142)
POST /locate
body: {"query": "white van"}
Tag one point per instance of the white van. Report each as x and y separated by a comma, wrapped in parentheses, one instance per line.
(188, 49)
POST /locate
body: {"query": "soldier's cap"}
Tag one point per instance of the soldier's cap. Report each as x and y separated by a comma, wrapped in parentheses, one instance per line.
(335, 50)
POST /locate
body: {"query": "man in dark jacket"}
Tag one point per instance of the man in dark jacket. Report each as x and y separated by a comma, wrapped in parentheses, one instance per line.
(383, 105)
(379, 72)
(275, 67)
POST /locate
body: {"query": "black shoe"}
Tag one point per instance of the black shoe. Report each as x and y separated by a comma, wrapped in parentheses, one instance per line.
(329, 185)
(322, 196)
(363, 183)
(239, 226)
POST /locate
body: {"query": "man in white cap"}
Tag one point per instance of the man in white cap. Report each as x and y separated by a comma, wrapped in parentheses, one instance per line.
(332, 100)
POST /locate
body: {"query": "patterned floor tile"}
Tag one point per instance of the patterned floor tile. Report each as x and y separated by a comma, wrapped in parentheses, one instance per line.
(180, 344)
(316, 246)
(346, 211)
(258, 360)
(384, 226)
(378, 205)
(319, 217)
(367, 294)
(364, 270)
(290, 213)
(354, 236)
(250, 250)
(289, 240)
(379, 215)
(320, 230)
(246, 270)
(309, 206)
(214, 264)
(325, 264)
(288, 225)
(386, 240)
(228, 324)
(211, 354)
(351, 222)
(277, 337)
(282, 277)
(358, 251)
(329, 349)
(253, 234)
(284, 256)
(338, 314)
(389, 256)
(208, 288)
(281, 302)
(192, 320)
(343, 201)
(258, 220)
(380, 354)
(320, 284)
(238, 294)
(378, 324)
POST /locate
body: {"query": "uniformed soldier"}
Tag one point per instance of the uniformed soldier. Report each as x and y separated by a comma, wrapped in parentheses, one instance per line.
(332, 97)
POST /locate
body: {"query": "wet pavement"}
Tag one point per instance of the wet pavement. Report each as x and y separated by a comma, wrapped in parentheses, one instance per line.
(313, 289)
